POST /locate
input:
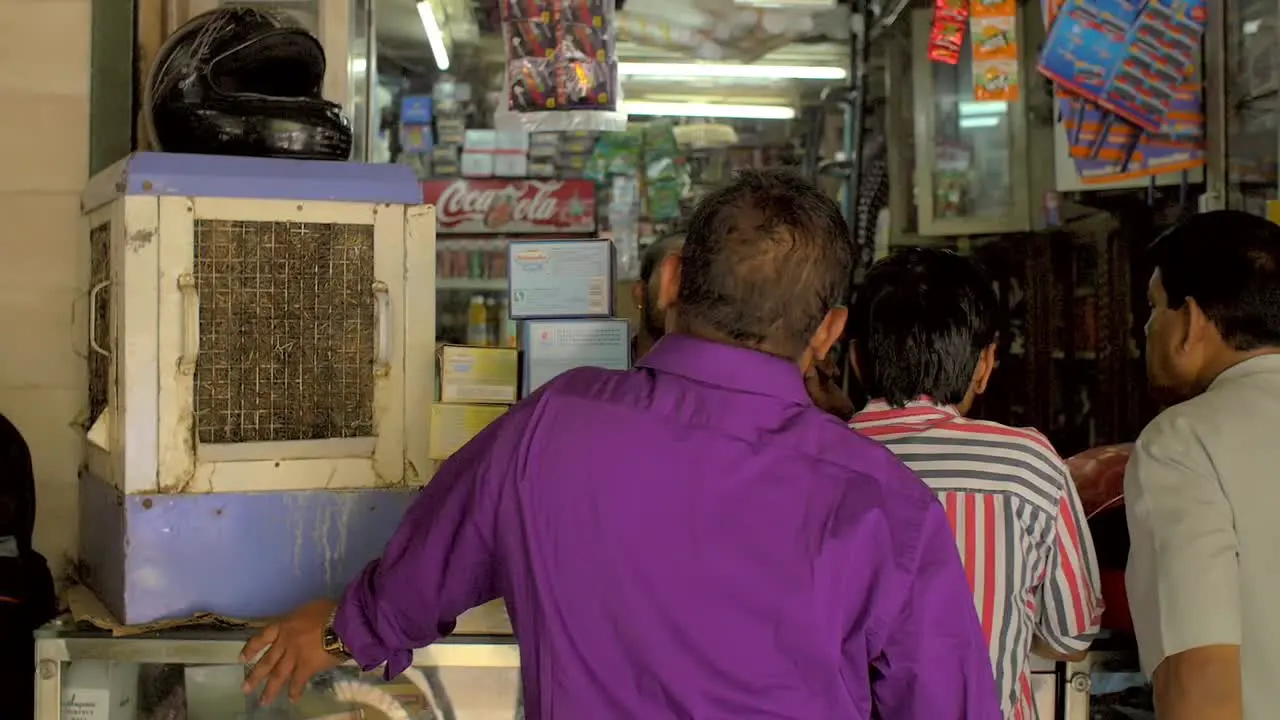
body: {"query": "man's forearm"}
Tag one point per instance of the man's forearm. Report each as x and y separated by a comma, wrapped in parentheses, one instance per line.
(1200, 684)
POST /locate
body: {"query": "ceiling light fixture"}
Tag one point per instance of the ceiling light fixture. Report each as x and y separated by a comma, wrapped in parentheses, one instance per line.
(726, 70)
(709, 110)
(983, 108)
(435, 37)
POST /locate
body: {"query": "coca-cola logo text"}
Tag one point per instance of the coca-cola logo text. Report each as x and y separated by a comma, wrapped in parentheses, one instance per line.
(533, 202)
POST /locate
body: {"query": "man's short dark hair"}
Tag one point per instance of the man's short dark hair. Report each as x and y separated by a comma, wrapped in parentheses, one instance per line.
(921, 321)
(765, 258)
(1228, 262)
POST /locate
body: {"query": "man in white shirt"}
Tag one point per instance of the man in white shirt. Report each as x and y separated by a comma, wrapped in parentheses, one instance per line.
(1202, 489)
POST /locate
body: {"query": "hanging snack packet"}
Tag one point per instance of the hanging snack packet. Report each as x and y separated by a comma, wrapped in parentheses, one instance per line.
(947, 36)
(945, 42)
(530, 40)
(586, 84)
(531, 85)
(584, 12)
(994, 38)
(993, 8)
(527, 10)
(578, 41)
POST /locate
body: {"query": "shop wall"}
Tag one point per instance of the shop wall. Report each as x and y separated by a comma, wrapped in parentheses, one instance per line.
(44, 150)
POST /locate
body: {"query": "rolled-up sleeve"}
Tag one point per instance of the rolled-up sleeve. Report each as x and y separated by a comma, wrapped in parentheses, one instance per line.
(441, 560)
(1182, 578)
(1072, 607)
(933, 663)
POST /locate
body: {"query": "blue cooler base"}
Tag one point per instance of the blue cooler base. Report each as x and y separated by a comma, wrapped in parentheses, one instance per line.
(239, 555)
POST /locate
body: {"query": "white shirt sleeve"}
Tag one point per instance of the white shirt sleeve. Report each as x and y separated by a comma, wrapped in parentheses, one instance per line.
(1183, 573)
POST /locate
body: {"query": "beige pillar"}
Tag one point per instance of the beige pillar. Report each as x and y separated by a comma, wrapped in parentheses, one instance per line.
(44, 162)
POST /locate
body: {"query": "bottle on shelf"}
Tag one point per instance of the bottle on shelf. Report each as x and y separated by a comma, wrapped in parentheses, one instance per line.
(477, 322)
(492, 339)
(501, 327)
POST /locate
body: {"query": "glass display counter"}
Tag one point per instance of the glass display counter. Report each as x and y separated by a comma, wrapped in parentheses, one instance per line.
(197, 675)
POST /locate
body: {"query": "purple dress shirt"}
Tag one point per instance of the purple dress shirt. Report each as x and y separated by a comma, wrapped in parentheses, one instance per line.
(689, 539)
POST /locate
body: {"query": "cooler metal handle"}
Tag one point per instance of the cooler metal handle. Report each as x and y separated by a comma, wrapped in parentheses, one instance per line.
(382, 349)
(190, 324)
(93, 317)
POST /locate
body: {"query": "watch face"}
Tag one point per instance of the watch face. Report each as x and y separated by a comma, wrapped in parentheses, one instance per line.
(331, 641)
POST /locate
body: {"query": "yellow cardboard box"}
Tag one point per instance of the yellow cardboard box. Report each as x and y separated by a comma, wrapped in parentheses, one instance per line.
(453, 426)
(478, 375)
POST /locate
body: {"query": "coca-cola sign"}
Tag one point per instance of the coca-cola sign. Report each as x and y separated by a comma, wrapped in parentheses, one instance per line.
(467, 206)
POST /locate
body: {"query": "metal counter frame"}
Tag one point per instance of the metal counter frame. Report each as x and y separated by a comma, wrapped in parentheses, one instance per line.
(55, 646)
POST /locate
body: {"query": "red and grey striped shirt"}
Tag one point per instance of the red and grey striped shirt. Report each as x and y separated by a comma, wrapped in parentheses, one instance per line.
(1019, 527)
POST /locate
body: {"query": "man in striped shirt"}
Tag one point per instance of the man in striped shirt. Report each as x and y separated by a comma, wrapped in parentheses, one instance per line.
(924, 348)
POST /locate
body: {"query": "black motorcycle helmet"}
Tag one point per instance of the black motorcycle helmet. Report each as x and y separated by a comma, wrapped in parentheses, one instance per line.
(243, 81)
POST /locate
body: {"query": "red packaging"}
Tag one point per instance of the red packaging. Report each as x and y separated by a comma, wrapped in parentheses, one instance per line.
(531, 85)
(953, 10)
(528, 10)
(586, 84)
(583, 42)
(530, 40)
(950, 17)
(584, 12)
(945, 41)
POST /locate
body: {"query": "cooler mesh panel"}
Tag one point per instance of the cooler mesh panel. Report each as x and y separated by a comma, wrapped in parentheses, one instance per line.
(287, 331)
(99, 364)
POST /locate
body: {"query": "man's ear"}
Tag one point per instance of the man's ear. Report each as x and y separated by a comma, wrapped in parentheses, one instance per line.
(829, 332)
(669, 281)
(1198, 327)
(986, 365)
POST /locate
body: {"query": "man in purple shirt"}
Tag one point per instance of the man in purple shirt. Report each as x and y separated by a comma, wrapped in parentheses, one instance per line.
(693, 538)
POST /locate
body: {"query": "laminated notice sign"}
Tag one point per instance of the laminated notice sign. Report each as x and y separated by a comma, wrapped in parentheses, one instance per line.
(560, 278)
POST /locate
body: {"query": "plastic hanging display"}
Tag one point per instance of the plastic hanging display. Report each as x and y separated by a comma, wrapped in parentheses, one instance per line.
(562, 67)
(946, 38)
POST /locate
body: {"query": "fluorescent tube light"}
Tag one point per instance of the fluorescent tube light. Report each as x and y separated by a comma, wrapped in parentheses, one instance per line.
(435, 37)
(982, 108)
(787, 4)
(979, 122)
(727, 70)
(708, 110)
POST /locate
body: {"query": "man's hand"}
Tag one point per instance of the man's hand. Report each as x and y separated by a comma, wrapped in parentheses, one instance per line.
(294, 648)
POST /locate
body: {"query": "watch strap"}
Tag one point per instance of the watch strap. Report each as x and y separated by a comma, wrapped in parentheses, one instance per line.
(331, 642)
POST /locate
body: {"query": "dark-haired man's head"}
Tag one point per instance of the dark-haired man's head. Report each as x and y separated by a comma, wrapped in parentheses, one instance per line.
(766, 265)
(1215, 299)
(924, 325)
(653, 318)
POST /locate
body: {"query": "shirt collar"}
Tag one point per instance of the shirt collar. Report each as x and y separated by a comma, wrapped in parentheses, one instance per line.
(923, 406)
(1253, 366)
(727, 366)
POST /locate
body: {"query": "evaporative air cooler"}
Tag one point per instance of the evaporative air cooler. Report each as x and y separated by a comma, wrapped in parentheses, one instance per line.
(260, 348)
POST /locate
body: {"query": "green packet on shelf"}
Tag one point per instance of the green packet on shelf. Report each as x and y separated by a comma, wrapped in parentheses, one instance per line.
(616, 153)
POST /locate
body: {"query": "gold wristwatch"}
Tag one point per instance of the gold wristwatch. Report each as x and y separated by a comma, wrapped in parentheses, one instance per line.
(331, 642)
